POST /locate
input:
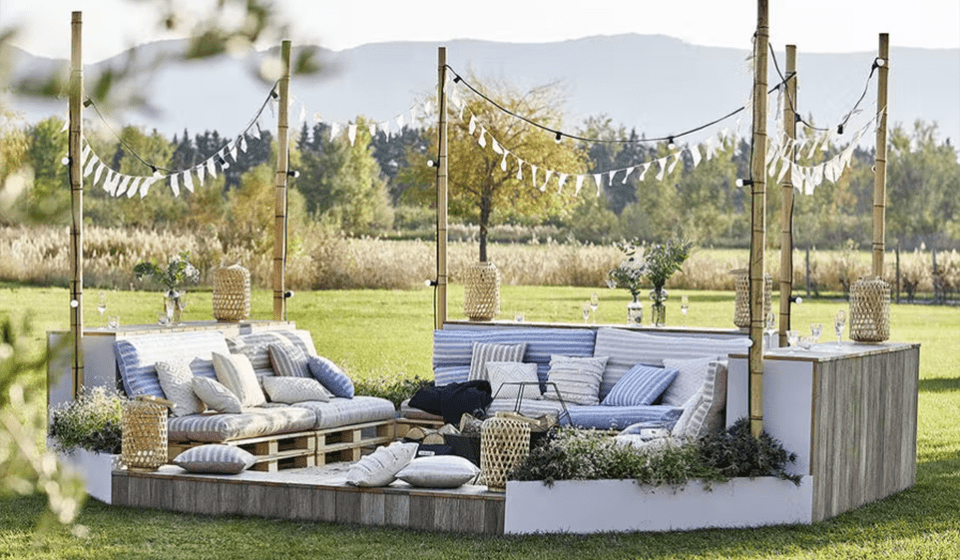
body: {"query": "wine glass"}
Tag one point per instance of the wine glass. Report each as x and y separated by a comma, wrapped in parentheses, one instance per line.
(684, 307)
(586, 312)
(168, 305)
(102, 305)
(816, 329)
(793, 337)
(839, 321)
(182, 305)
(594, 304)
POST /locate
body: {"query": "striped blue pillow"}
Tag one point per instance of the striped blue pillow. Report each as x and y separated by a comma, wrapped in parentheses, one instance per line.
(331, 376)
(640, 385)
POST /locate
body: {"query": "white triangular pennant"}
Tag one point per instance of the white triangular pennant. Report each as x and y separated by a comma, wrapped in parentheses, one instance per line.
(695, 154)
(627, 175)
(212, 167)
(399, 123)
(255, 130)
(473, 124)
(579, 184)
(598, 179)
(243, 144)
(174, 185)
(612, 175)
(98, 173)
(372, 127)
(427, 108)
(483, 140)
(785, 165)
(676, 160)
(503, 161)
(643, 170)
(145, 186)
(662, 162)
(546, 180)
(519, 169)
(134, 187)
(66, 121)
(122, 187)
(84, 153)
(90, 165)
(352, 134)
(106, 180)
(495, 146)
(711, 148)
(561, 179)
(385, 127)
(334, 130)
(533, 175)
(188, 180)
(201, 171)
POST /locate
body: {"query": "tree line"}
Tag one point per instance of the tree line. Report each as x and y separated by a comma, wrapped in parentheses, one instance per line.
(382, 184)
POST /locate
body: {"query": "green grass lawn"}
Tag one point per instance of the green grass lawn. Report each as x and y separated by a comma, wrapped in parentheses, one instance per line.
(388, 333)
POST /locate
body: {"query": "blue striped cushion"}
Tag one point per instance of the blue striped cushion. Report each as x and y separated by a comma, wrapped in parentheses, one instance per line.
(619, 417)
(626, 348)
(446, 375)
(639, 386)
(344, 412)
(256, 347)
(215, 458)
(137, 357)
(454, 346)
(251, 422)
(484, 352)
(288, 360)
(331, 376)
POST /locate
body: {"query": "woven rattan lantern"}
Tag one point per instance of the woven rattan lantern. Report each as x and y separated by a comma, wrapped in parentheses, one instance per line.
(481, 301)
(504, 444)
(144, 441)
(870, 310)
(741, 314)
(231, 293)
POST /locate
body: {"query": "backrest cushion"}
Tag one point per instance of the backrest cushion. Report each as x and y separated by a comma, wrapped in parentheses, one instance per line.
(453, 347)
(256, 347)
(176, 380)
(626, 348)
(641, 385)
(236, 374)
(688, 382)
(288, 360)
(484, 352)
(704, 411)
(576, 378)
(513, 372)
(137, 357)
(331, 376)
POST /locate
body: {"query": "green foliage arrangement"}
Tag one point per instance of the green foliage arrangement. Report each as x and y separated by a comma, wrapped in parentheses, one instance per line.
(179, 271)
(572, 454)
(394, 390)
(735, 452)
(93, 422)
(656, 263)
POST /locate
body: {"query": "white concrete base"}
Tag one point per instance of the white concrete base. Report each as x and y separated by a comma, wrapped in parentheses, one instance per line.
(593, 506)
(96, 469)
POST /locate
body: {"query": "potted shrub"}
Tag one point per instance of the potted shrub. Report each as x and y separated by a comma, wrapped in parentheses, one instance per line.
(87, 435)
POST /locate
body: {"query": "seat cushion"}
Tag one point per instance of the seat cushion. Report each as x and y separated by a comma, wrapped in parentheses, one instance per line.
(602, 417)
(344, 412)
(137, 357)
(251, 422)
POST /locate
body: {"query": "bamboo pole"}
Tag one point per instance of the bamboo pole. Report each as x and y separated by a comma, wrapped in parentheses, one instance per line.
(441, 293)
(280, 191)
(786, 209)
(76, 200)
(758, 218)
(880, 176)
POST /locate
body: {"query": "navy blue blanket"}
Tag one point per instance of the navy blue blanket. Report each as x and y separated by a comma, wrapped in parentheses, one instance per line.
(454, 399)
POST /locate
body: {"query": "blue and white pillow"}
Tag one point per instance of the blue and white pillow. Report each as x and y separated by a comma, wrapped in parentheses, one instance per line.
(640, 385)
(215, 459)
(288, 360)
(331, 376)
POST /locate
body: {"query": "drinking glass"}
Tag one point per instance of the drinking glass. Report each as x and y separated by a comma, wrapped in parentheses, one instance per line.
(168, 305)
(684, 307)
(594, 304)
(182, 304)
(102, 304)
(586, 312)
(839, 321)
(519, 317)
(816, 329)
(162, 319)
(113, 322)
(793, 337)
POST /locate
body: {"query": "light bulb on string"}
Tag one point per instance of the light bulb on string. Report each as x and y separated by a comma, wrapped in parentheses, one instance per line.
(671, 145)
(558, 138)
(65, 160)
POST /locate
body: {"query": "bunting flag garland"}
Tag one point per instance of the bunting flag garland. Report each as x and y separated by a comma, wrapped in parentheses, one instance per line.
(543, 187)
(598, 178)
(579, 185)
(174, 185)
(188, 180)
(352, 134)
(561, 179)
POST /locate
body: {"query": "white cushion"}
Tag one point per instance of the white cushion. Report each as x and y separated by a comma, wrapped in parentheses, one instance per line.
(176, 380)
(380, 467)
(215, 458)
(215, 395)
(703, 412)
(688, 382)
(441, 471)
(291, 390)
(484, 352)
(513, 372)
(236, 373)
(288, 360)
(577, 379)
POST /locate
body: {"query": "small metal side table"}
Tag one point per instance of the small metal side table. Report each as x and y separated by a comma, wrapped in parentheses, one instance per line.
(520, 392)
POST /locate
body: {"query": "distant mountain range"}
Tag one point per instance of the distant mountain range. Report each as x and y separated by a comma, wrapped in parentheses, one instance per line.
(656, 84)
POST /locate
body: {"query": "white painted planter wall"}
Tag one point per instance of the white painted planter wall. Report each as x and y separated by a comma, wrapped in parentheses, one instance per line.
(96, 470)
(593, 506)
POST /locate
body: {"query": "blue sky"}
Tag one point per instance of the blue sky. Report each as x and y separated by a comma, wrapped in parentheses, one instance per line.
(813, 25)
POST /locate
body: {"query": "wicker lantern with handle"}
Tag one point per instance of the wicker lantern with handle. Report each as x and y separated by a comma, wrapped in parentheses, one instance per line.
(741, 315)
(870, 310)
(481, 301)
(231, 293)
(144, 427)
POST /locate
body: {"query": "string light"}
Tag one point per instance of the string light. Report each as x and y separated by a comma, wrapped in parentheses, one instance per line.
(559, 137)
(65, 160)
(740, 183)
(293, 174)
(670, 143)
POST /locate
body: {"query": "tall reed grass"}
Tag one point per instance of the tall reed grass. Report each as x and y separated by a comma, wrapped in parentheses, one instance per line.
(320, 259)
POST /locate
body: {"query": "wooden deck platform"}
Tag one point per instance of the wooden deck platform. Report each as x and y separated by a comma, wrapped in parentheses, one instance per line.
(312, 494)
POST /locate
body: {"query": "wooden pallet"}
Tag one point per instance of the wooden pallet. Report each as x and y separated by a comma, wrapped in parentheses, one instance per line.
(273, 452)
(351, 442)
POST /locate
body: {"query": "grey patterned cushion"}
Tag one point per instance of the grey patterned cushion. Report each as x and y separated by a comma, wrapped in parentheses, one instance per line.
(215, 458)
(577, 379)
(441, 471)
(256, 347)
(236, 373)
(703, 412)
(176, 380)
(294, 389)
(288, 360)
(380, 467)
(484, 352)
(512, 372)
(215, 395)
(688, 382)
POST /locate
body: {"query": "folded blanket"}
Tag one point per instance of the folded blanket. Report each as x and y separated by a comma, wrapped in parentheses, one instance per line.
(454, 399)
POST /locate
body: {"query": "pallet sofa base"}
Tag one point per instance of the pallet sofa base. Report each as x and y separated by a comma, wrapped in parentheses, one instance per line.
(309, 448)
